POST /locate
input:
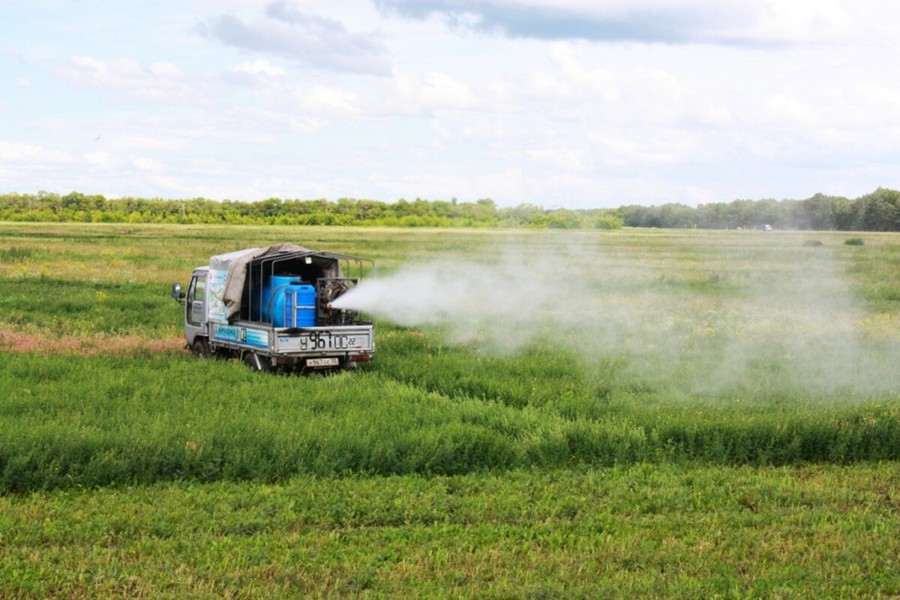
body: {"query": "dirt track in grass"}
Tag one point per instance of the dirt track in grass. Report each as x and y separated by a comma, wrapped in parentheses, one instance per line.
(91, 345)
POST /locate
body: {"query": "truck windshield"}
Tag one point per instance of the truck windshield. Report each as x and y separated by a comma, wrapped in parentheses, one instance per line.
(198, 289)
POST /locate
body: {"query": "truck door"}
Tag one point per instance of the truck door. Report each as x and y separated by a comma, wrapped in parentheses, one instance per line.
(195, 307)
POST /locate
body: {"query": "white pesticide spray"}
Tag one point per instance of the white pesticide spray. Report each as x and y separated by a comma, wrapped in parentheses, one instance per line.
(501, 305)
(720, 323)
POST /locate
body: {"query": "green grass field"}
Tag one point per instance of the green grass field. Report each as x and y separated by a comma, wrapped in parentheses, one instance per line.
(698, 414)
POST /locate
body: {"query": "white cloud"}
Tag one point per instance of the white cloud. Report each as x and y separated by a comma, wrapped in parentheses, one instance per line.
(256, 74)
(327, 102)
(102, 160)
(803, 20)
(146, 164)
(739, 23)
(286, 31)
(784, 109)
(26, 153)
(661, 21)
(160, 81)
(260, 67)
(424, 93)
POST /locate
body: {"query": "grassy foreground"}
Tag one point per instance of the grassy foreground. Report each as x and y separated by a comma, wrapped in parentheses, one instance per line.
(672, 442)
(89, 422)
(641, 531)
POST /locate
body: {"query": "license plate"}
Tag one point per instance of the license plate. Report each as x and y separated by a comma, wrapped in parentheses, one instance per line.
(322, 362)
(326, 340)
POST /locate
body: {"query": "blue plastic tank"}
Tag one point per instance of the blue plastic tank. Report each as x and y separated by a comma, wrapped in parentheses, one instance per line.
(288, 302)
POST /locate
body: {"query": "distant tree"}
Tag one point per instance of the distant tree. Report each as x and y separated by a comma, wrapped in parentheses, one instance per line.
(608, 221)
(878, 211)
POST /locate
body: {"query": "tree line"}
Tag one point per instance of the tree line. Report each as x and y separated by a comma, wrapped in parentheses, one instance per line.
(78, 207)
(878, 211)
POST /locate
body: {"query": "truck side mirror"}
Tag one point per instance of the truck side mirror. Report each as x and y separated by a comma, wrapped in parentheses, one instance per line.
(176, 292)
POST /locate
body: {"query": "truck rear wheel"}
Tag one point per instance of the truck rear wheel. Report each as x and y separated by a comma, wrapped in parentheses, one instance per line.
(256, 362)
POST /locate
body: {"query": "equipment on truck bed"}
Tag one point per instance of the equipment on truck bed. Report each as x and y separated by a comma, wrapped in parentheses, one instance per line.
(271, 307)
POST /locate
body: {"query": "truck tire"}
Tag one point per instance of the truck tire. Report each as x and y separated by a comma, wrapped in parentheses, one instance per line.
(256, 362)
(201, 348)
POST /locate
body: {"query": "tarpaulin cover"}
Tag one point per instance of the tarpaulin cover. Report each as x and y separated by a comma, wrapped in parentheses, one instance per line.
(229, 271)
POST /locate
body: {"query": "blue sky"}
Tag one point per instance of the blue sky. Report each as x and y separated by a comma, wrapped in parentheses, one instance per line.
(558, 103)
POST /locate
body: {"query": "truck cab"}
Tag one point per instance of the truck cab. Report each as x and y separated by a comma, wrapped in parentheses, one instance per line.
(196, 330)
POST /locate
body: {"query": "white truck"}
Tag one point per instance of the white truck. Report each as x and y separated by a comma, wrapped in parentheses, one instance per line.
(271, 308)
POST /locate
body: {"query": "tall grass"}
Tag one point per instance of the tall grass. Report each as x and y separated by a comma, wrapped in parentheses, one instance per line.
(63, 306)
(426, 405)
(631, 532)
(129, 469)
(72, 421)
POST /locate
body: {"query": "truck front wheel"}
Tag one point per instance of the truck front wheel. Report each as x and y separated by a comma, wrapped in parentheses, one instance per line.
(201, 348)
